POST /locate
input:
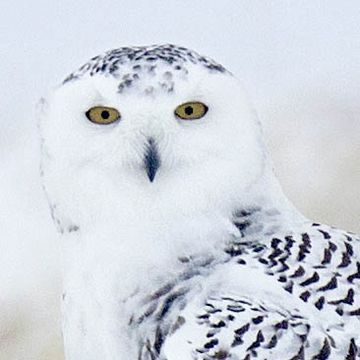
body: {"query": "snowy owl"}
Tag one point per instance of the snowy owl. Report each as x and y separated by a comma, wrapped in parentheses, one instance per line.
(178, 243)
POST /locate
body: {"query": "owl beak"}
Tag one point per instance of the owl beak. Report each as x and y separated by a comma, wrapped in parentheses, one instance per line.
(151, 159)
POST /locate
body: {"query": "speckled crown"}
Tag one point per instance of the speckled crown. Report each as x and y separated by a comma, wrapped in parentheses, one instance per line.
(129, 63)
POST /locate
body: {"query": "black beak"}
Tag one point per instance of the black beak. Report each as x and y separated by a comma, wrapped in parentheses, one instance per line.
(151, 159)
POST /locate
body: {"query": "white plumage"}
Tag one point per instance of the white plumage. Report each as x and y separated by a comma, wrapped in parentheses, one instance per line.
(178, 241)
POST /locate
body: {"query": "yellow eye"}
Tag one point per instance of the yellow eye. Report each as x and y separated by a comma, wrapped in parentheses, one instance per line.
(191, 110)
(102, 115)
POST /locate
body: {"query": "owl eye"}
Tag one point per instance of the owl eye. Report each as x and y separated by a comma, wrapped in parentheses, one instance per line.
(102, 115)
(191, 110)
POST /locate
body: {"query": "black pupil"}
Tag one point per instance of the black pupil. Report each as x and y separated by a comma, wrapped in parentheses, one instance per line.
(189, 110)
(105, 114)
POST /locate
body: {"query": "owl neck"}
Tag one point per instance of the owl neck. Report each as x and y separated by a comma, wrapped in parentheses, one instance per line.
(113, 264)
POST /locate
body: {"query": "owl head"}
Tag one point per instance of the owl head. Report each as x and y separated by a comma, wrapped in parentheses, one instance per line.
(154, 126)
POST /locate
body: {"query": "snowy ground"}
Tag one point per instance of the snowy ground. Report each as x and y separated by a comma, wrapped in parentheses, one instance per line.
(300, 62)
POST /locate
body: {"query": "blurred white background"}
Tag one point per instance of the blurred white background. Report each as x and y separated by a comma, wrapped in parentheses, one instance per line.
(299, 61)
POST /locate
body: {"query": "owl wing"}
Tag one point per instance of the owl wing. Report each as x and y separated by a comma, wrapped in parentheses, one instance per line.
(298, 298)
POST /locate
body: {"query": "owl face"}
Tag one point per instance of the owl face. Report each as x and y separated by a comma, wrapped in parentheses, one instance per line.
(154, 128)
